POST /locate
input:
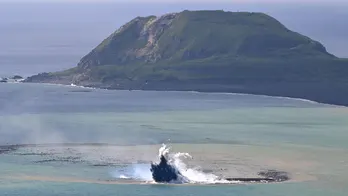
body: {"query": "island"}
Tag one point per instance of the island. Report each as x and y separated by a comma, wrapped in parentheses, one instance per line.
(211, 51)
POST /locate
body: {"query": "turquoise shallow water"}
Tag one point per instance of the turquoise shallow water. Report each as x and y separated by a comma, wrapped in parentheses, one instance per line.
(57, 189)
(239, 133)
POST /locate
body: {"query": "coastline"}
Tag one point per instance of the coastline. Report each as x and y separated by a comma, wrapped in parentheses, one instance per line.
(195, 91)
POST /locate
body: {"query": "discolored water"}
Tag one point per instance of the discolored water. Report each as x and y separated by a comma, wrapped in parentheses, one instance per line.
(228, 135)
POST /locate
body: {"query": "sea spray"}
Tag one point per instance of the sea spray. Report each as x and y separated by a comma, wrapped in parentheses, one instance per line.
(175, 162)
(136, 171)
(186, 174)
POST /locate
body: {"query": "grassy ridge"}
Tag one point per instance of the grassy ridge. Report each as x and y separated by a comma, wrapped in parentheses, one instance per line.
(211, 51)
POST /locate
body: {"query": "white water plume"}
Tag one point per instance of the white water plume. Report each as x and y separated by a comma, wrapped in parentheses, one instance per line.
(136, 171)
(187, 174)
(190, 175)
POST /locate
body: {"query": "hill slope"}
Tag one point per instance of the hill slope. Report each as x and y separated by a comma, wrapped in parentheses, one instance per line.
(211, 51)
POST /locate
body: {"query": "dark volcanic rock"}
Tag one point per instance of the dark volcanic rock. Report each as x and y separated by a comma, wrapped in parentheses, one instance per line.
(278, 176)
(164, 172)
(266, 176)
(69, 159)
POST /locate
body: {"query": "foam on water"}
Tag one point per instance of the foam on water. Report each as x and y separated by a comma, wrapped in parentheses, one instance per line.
(187, 174)
(139, 172)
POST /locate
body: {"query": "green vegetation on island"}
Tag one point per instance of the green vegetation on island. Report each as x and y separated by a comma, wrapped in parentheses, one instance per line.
(211, 51)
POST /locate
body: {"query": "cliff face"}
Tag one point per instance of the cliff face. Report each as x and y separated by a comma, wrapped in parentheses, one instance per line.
(206, 51)
(135, 41)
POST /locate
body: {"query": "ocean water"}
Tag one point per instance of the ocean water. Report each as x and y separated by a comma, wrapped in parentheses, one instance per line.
(227, 134)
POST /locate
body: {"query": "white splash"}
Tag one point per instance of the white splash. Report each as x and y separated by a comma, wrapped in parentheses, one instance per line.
(136, 171)
(190, 175)
(124, 177)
